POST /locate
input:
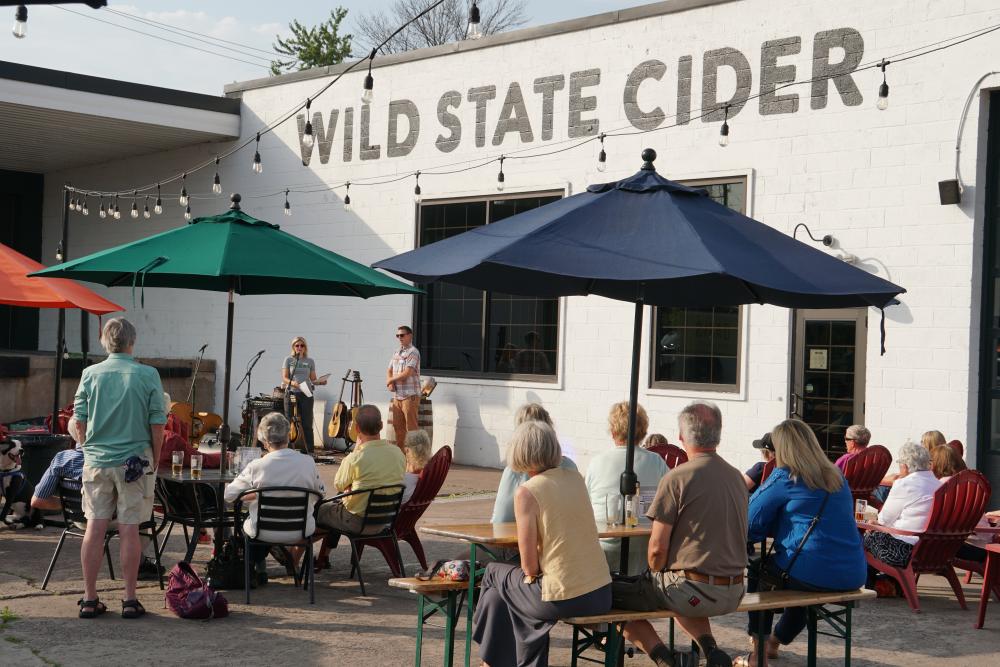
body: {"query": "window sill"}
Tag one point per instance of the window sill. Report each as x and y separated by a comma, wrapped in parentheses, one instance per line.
(719, 395)
(544, 383)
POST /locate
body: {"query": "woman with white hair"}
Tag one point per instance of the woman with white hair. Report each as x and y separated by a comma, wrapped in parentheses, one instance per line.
(562, 572)
(907, 506)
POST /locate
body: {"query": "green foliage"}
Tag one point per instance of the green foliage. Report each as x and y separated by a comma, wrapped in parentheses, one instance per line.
(6, 616)
(319, 46)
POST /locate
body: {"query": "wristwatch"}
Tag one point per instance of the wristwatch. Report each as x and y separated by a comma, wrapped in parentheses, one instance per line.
(530, 578)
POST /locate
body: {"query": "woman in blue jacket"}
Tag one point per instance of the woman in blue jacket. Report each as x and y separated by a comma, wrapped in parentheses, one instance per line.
(804, 485)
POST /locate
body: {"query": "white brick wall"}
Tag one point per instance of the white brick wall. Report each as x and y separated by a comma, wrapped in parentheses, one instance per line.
(867, 177)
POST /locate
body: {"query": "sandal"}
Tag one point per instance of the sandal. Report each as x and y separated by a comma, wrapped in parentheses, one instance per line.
(745, 660)
(96, 608)
(429, 573)
(132, 609)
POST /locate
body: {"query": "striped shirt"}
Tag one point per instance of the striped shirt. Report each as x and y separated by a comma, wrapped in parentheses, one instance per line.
(67, 463)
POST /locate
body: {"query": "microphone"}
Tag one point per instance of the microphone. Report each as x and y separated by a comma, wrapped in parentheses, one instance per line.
(203, 347)
(261, 353)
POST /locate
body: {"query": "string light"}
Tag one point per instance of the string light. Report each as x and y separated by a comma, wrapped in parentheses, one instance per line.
(85, 209)
(368, 92)
(307, 134)
(724, 130)
(347, 197)
(602, 157)
(118, 212)
(135, 206)
(20, 22)
(158, 207)
(72, 204)
(475, 30)
(217, 182)
(183, 199)
(187, 212)
(417, 196)
(883, 91)
(145, 209)
(288, 206)
(257, 167)
(59, 252)
(500, 176)
(102, 213)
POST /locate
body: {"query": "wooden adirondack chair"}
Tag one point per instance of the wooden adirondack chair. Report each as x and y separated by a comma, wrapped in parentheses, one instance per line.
(958, 505)
(672, 454)
(768, 469)
(431, 480)
(865, 470)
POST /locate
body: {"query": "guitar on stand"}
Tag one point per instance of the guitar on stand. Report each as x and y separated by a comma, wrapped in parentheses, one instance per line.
(357, 400)
(339, 417)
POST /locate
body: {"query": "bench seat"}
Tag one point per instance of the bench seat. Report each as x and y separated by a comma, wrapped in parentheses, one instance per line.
(435, 585)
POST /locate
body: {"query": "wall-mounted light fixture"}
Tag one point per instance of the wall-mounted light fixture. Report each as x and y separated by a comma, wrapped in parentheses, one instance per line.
(826, 240)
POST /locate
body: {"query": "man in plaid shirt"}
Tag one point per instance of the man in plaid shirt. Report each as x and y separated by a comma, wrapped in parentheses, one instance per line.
(68, 464)
(402, 378)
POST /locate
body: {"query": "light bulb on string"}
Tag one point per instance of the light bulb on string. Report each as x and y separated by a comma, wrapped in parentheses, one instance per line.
(417, 195)
(724, 130)
(20, 22)
(257, 167)
(158, 207)
(145, 209)
(347, 197)
(85, 209)
(187, 212)
(307, 134)
(500, 176)
(72, 204)
(59, 252)
(118, 211)
(288, 206)
(135, 206)
(475, 30)
(65, 351)
(101, 213)
(183, 199)
(883, 90)
(368, 92)
(79, 205)
(217, 182)
(602, 157)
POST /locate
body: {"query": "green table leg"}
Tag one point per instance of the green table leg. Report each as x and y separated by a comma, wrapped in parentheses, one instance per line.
(449, 630)
(420, 628)
(671, 645)
(811, 624)
(847, 635)
(613, 646)
(471, 604)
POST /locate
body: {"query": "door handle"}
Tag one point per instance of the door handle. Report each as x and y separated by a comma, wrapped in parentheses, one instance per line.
(796, 403)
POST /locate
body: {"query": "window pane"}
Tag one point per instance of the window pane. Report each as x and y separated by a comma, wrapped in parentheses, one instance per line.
(521, 333)
(701, 345)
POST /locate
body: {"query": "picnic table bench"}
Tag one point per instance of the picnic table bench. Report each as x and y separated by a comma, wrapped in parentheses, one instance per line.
(585, 636)
(434, 596)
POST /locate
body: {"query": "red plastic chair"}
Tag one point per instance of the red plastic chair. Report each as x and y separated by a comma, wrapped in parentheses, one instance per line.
(672, 454)
(958, 447)
(958, 505)
(865, 470)
(431, 480)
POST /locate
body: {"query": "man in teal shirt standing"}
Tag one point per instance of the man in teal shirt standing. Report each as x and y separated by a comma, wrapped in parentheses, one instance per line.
(120, 414)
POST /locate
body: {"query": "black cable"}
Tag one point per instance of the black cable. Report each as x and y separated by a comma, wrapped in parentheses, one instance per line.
(174, 28)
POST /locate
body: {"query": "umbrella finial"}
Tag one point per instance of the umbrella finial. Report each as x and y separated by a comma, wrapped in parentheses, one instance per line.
(235, 198)
(648, 156)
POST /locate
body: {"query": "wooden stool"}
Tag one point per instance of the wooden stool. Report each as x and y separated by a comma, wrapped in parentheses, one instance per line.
(991, 578)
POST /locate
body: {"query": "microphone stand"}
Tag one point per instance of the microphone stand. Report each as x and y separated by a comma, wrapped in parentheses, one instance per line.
(246, 378)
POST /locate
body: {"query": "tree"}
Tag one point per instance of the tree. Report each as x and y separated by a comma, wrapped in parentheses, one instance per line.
(318, 46)
(446, 23)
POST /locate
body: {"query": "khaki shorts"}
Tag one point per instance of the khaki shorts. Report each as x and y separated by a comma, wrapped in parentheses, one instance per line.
(695, 599)
(106, 493)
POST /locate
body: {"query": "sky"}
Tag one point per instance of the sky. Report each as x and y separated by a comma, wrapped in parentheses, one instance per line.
(74, 38)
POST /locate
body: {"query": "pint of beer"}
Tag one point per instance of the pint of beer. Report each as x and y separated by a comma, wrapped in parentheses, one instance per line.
(176, 463)
(196, 466)
(859, 509)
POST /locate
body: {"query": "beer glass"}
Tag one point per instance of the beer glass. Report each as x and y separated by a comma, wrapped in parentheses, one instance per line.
(196, 466)
(176, 463)
(859, 509)
(613, 509)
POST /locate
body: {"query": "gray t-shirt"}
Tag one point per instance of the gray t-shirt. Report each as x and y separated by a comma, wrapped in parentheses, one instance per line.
(299, 369)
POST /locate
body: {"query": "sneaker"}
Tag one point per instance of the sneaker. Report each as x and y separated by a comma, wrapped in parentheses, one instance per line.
(149, 571)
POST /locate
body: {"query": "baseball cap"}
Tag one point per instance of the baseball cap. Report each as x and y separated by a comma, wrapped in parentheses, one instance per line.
(764, 443)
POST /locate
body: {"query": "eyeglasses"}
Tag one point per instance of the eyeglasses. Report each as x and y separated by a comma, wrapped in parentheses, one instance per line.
(298, 345)
(402, 335)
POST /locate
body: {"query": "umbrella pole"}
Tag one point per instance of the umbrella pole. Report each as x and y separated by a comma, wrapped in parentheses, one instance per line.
(61, 327)
(629, 480)
(224, 440)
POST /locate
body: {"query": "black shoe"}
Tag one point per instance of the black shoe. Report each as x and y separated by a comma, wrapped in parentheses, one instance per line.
(262, 578)
(281, 556)
(149, 571)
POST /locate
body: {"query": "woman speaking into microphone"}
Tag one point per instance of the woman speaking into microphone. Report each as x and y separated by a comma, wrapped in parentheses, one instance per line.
(299, 374)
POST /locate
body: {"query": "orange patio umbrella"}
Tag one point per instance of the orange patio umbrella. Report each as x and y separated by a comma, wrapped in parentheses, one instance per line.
(17, 289)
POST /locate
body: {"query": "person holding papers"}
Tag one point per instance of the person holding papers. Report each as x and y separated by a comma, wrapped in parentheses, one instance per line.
(298, 373)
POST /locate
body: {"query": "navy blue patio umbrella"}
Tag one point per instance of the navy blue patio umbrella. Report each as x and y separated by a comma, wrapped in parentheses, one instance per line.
(649, 241)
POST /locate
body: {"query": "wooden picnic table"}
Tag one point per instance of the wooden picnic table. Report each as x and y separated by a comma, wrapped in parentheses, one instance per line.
(504, 535)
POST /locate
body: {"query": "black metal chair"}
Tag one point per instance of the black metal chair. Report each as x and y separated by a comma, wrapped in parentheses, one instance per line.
(285, 509)
(75, 524)
(377, 522)
(194, 506)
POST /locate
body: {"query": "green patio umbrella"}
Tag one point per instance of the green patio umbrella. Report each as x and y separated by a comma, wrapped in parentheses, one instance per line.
(233, 253)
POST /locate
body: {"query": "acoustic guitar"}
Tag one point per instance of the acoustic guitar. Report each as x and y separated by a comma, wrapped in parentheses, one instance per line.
(357, 400)
(198, 423)
(338, 419)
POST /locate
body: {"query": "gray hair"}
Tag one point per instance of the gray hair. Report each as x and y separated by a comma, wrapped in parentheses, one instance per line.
(534, 448)
(859, 434)
(273, 430)
(914, 457)
(118, 335)
(532, 412)
(701, 424)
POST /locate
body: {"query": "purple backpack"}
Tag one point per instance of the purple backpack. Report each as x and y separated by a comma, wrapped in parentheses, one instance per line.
(190, 597)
